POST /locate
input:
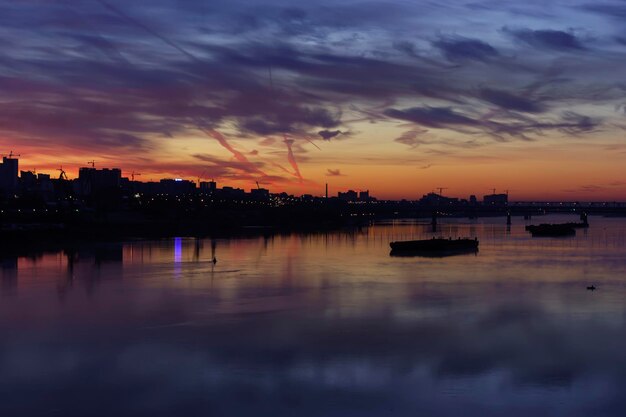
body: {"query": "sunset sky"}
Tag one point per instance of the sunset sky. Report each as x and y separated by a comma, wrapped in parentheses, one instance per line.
(398, 97)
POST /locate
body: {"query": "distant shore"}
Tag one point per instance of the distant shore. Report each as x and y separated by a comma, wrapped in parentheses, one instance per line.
(27, 229)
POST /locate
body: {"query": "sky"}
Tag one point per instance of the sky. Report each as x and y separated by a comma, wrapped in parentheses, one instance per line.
(398, 97)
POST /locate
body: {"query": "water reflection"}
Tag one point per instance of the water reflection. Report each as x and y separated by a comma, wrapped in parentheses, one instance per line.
(9, 275)
(319, 324)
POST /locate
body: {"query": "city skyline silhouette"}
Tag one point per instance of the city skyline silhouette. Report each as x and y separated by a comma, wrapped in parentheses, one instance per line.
(376, 97)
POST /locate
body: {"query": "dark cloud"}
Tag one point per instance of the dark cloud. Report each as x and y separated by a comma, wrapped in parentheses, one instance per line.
(548, 39)
(334, 173)
(410, 137)
(329, 134)
(109, 74)
(434, 117)
(575, 123)
(459, 49)
(405, 47)
(285, 119)
(615, 10)
(511, 101)
(513, 126)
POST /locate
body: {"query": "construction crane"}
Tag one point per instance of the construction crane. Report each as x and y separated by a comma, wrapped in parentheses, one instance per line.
(132, 175)
(62, 175)
(493, 190)
(11, 155)
(257, 185)
(441, 189)
(92, 163)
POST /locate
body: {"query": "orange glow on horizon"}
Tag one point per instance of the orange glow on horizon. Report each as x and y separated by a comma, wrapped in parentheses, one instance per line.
(537, 171)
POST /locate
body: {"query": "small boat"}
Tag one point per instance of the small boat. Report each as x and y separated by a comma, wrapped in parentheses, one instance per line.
(434, 247)
(553, 230)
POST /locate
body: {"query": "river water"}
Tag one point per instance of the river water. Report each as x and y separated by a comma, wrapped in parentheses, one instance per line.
(324, 324)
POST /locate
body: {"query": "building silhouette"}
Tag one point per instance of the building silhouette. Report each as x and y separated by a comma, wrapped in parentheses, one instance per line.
(93, 181)
(434, 199)
(8, 175)
(495, 200)
(177, 186)
(208, 186)
(349, 195)
(260, 194)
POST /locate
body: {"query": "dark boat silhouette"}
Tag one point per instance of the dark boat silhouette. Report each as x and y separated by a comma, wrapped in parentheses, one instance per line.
(553, 230)
(434, 247)
(558, 229)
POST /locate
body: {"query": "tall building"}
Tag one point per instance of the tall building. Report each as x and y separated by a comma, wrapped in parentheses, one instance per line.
(46, 188)
(208, 186)
(496, 200)
(260, 193)
(176, 186)
(28, 181)
(364, 195)
(94, 180)
(434, 199)
(8, 175)
(230, 192)
(349, 195)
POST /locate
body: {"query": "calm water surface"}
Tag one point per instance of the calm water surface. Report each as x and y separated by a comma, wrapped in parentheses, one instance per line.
(320, 325)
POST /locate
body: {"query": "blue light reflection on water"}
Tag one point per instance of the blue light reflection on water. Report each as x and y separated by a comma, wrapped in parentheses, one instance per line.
(178, 256)
(324, 324)
(178, 250)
